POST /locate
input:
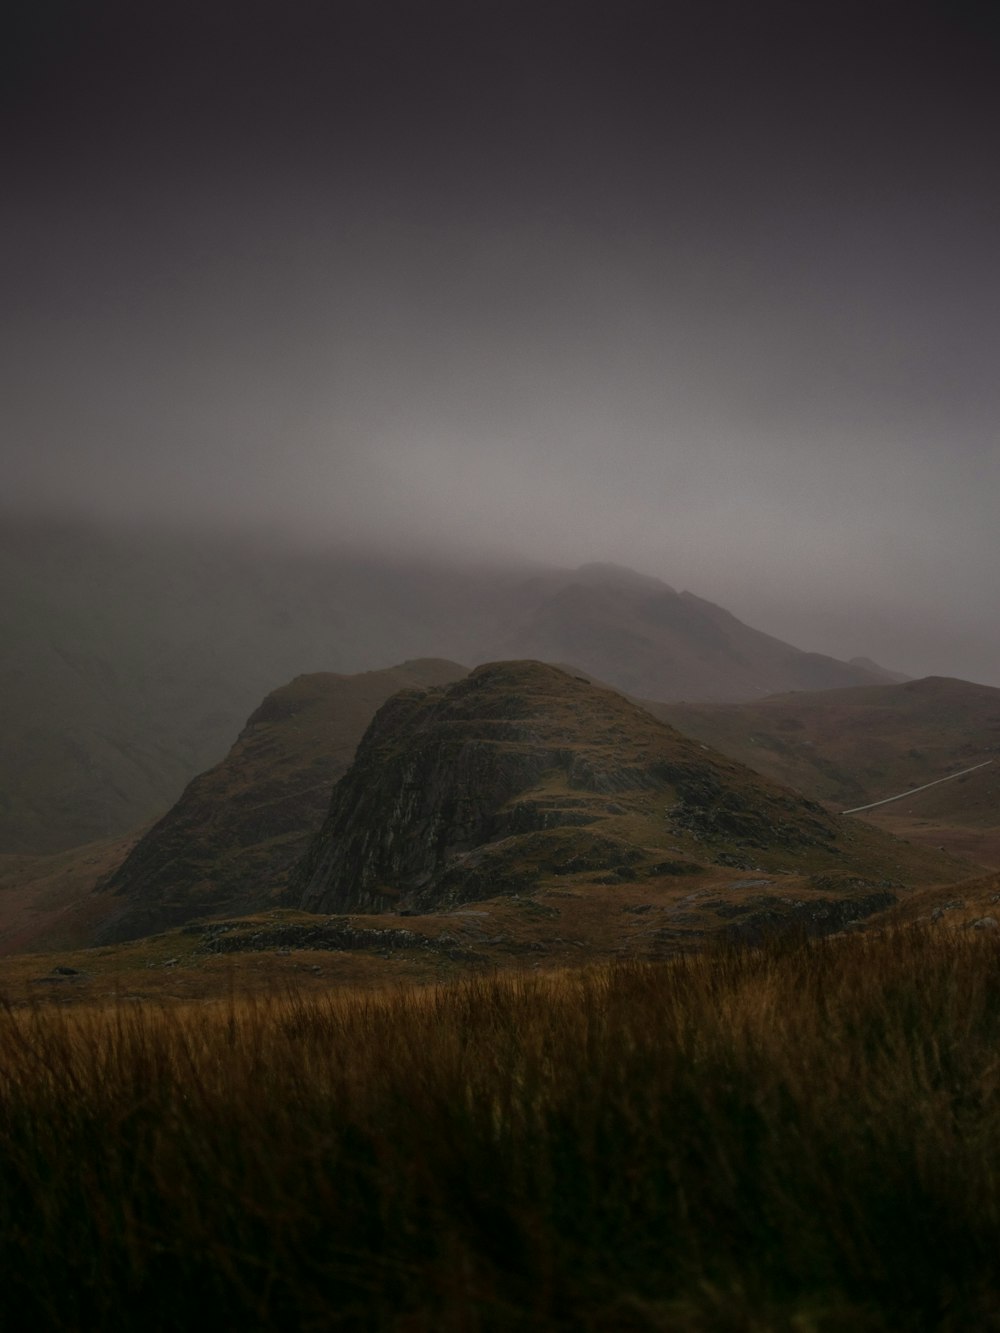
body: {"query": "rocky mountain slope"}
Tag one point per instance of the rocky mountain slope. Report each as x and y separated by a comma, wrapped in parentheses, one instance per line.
(128, 659)
(522, 775)
(520, 813)
(230, 840)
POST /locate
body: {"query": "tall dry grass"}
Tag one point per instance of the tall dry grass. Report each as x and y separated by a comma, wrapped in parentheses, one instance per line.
(805, 1137)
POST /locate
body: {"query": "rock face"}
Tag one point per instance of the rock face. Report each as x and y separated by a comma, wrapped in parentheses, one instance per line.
(521, 770)
(230, 841)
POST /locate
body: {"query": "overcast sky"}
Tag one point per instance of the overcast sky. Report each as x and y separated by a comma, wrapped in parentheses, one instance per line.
(707, 289)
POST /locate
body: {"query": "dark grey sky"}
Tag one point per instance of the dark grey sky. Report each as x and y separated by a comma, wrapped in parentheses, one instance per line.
(711, 290)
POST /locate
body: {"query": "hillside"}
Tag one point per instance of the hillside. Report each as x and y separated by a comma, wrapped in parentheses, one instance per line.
(236, 831)
(129, 659)
(852, 747)
(576, 824)
(971, 905)
(643, 637)
(521, 776)
(230, 842)
(58, 901)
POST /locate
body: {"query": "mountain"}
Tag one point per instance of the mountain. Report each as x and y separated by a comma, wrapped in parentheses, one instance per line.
(129, 658)
(521, 775)
(643, 637)
(852, 747)
(230, 840)
(518, 813)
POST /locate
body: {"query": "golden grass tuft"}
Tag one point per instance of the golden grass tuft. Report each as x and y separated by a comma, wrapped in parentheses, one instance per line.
(801, 1137)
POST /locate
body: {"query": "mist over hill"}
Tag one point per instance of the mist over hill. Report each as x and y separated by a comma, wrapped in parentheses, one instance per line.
(130, 659)
(349, 333)
(710, 291)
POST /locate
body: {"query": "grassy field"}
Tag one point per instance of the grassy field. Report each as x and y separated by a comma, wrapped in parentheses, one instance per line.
(804, 1137)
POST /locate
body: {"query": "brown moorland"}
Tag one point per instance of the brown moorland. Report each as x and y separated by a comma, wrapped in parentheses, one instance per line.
(802, 1136)
(853, 746)
(57, 901)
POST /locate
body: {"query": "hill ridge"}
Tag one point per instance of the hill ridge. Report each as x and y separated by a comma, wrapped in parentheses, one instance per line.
(471, 789)
(232, 838)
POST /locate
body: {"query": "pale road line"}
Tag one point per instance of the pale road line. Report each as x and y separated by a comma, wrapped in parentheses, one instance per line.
(935, 783)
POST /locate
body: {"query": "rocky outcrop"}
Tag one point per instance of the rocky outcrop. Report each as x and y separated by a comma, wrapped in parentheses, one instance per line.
(341, 936)
(480, 788)
(437, 778)
(760, 918)
(231, 840)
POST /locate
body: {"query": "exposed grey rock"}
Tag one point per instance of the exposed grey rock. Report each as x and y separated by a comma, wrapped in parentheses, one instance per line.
(339, 935)
(984, 923)
(766, 917)
(456, 792)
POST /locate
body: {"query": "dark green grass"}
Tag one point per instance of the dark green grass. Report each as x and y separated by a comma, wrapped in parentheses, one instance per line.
(803, 1138)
